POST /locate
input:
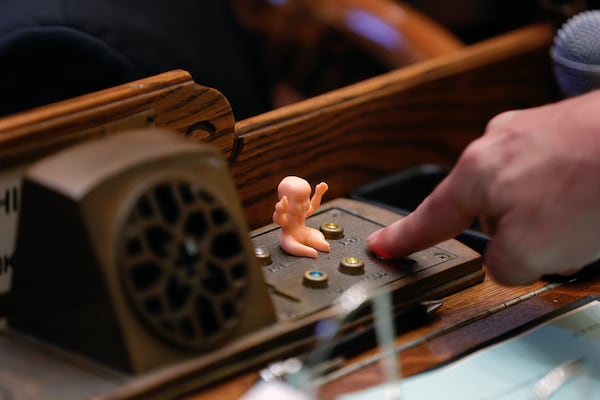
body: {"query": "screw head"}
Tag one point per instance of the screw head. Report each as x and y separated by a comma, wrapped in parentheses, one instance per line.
(263, 256)
(332, 230)
(352, 266)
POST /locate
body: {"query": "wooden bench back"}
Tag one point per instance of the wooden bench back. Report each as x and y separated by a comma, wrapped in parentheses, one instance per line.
(424, 113)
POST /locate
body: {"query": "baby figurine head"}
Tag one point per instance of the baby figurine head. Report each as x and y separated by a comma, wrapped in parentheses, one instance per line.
(297, 191)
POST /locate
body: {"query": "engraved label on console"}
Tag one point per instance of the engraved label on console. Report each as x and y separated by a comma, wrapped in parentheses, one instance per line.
(10, 191)
(9, 200)
(276, 267)
(350, 241)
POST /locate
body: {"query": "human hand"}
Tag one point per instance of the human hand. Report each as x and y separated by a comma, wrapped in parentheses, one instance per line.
(533, 179)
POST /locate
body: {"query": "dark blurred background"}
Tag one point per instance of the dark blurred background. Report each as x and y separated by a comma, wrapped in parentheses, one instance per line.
(261, 54)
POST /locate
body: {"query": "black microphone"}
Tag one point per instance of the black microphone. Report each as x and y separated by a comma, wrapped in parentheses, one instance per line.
(576, 53)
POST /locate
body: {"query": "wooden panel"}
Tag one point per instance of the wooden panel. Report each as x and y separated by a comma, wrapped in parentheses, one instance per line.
(425, 113)
(177, 102)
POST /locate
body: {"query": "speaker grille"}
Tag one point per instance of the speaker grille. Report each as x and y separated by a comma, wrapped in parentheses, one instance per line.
(183, 264)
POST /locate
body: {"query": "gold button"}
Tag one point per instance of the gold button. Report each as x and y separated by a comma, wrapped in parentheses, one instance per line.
(315, 279)
(352, 266)
(332, 230)
(263, 256)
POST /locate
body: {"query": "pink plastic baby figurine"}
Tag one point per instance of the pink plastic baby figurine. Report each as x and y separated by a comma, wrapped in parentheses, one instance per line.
(294, 206)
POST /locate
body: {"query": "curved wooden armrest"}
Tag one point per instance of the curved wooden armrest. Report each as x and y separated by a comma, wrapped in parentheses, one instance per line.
(309, 47)
(393, 31)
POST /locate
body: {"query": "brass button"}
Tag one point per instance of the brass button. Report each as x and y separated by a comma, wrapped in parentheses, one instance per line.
(332, 230)
(352, 266)
(263, 256)
(315, 279)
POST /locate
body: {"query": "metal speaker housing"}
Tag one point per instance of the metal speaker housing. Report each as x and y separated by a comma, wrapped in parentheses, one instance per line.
(133, 251)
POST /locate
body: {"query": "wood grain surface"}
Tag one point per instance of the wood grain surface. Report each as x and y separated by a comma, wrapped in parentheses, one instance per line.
(423, 113)
(174, 99)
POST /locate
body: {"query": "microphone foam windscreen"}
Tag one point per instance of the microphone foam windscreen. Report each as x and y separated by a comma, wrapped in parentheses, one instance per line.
(576, 53)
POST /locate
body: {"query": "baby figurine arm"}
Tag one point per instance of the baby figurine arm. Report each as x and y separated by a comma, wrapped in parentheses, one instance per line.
(279, 215)
(315, 202)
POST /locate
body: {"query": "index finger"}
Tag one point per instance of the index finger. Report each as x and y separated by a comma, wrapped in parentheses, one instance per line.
(447, 211)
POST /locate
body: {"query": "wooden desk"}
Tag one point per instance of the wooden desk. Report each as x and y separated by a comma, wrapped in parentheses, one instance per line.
(467, 91)
(468, 319)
